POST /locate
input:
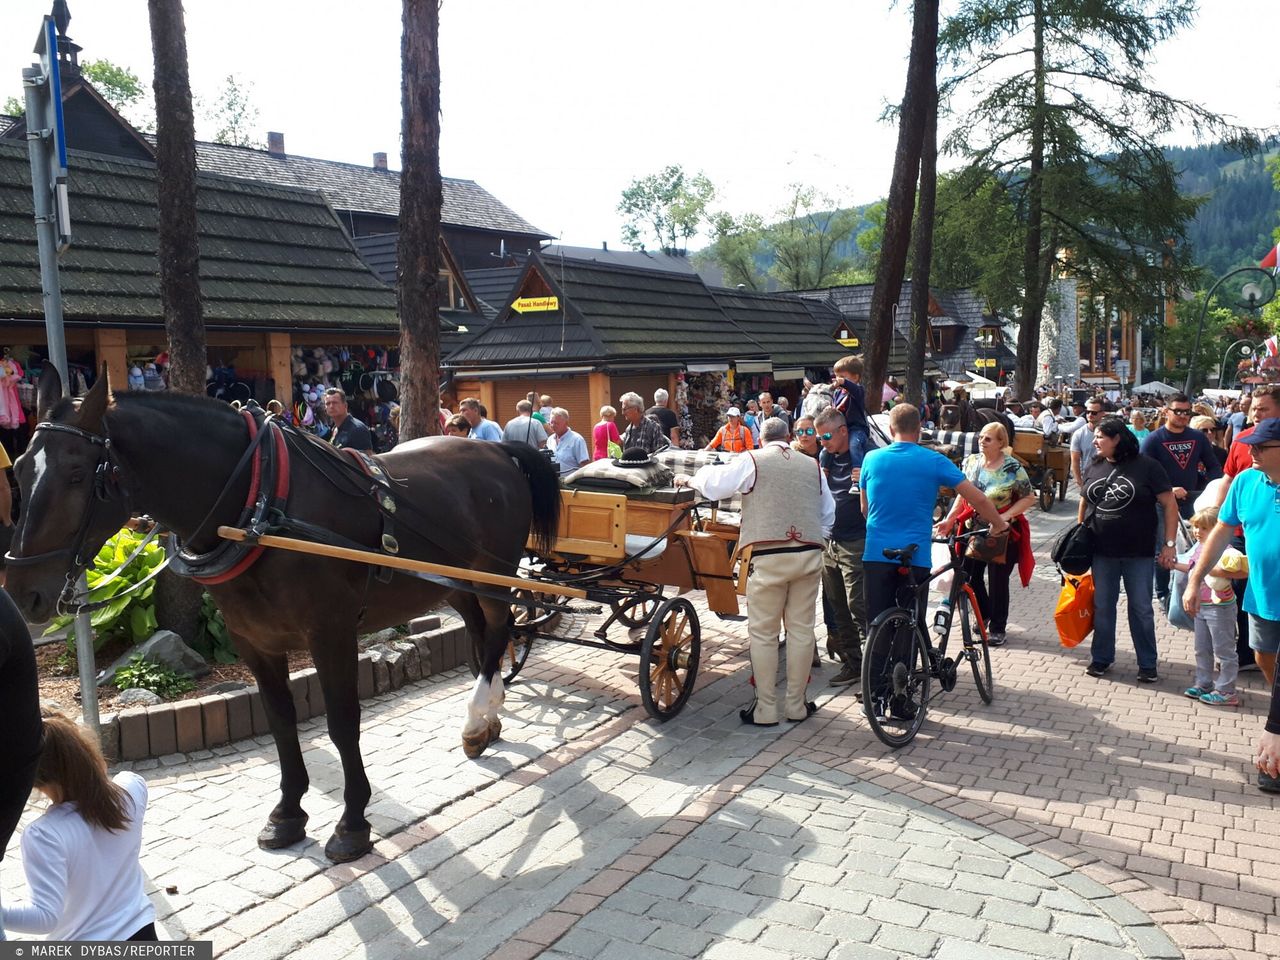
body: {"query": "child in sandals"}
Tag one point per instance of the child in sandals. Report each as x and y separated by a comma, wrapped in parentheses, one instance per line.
(1216, 619)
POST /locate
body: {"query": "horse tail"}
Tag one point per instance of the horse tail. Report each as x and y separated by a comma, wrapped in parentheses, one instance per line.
(544, 485)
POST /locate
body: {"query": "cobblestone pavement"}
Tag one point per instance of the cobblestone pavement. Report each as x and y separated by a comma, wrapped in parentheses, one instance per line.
(1073, 818)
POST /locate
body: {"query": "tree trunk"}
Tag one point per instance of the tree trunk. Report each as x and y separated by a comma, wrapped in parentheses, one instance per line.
(924, 249)
(1033, 273)
(421, 197)
(921, 77)
(177, 599)
(179, 245)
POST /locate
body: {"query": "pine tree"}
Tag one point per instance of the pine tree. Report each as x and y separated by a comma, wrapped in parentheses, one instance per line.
(1058, 107)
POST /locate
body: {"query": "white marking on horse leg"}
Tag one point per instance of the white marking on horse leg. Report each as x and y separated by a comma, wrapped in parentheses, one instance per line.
(476, 708)
(497, 695)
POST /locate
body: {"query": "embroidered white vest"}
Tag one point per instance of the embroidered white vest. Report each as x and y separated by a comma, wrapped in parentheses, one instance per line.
(784, 506)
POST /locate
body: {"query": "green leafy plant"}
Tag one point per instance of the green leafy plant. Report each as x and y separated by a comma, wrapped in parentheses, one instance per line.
(159, 679)
(213, 639)
(129, 617)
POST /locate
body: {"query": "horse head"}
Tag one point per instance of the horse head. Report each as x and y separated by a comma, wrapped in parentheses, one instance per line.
(816, 400)
(69, 502)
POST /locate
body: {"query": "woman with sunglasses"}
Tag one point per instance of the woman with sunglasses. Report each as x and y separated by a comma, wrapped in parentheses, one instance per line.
(1001, 476)
(805, 438)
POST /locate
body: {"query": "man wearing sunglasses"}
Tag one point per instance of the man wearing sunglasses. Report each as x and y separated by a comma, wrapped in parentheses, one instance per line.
(1253, 502)
(1183, 453)
(842, 548)
(1082, 440)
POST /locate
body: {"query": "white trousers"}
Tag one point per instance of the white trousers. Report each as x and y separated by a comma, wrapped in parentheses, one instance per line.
(782, 588)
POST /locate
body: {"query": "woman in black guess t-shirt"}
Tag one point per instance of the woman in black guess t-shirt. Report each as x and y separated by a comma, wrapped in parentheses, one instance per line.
(1121, 490)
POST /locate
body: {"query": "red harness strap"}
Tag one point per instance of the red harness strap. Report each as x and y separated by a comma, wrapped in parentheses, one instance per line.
(281, 494)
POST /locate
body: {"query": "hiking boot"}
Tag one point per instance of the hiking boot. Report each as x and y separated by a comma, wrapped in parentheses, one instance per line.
(849, 674)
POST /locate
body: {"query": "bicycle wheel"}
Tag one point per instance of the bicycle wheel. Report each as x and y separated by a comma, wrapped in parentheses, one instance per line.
(896, 678)
(973, 632)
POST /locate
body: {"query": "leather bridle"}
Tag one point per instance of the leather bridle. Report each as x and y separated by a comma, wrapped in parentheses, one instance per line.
(106, 488)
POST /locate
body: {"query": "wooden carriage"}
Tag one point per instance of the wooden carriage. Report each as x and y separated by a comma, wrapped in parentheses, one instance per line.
(1048, 465)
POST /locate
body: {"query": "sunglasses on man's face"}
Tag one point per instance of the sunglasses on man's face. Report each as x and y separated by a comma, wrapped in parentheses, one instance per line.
(806, 432)
(1180, 413)
(825, 436)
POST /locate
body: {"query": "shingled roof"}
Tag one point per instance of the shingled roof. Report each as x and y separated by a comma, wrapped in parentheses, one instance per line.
(492, 287)
(363, 189)
(785, 327)
(271, 258)
(611, 314)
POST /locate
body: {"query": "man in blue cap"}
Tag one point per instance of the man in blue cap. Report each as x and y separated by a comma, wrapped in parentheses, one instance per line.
(1253, 502)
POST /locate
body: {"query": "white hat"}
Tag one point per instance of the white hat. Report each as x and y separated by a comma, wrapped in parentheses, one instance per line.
(735, 412)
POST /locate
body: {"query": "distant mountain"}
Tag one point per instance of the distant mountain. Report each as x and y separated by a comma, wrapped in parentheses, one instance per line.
(1234, 227)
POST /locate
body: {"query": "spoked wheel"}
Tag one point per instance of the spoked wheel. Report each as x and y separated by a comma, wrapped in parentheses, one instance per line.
(1047, 490)
(669, 658)
(526, 621)
(896, 679)
(638, 611)
(973, 632)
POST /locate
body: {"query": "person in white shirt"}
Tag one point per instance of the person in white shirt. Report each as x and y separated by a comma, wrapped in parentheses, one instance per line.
(1044, 419)
(1082, 450)
(787, 510)
(568, 448)
(81, 855)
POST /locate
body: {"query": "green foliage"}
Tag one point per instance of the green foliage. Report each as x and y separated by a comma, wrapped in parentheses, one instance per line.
(1222, 327)
(213, 639)
(131, 617)
(234, 116)
(1060, 112)
(118, 85)
(147, 675)
(13, 107)
(738, 246)
(977, 239)
(668, 206)
(808, 240)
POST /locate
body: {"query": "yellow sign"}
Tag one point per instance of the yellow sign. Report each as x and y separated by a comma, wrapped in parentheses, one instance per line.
(848, 341)
(984, 363)
(535, 304)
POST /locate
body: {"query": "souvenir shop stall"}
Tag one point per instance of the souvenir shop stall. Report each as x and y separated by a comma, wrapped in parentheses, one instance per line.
(707, 395)
(369, 375)
(20, 367)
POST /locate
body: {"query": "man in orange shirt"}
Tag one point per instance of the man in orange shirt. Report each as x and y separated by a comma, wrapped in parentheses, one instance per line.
(734, 437)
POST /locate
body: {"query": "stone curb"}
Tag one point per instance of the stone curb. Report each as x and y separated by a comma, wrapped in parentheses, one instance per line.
(184, 726)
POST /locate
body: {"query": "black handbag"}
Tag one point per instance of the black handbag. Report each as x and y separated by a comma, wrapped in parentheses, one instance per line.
(1073, 550)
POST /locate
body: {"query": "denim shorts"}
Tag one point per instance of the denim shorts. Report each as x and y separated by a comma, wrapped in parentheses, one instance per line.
(1264, 635)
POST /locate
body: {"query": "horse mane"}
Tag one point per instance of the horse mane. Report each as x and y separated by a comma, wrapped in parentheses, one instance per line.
(173, 402)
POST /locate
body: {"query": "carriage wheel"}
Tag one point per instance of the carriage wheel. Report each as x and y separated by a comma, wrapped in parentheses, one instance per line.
(637, 611)
(1047, 491)
(669, 658)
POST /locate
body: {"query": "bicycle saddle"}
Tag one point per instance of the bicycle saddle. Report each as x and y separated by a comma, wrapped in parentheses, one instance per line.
(902, 555)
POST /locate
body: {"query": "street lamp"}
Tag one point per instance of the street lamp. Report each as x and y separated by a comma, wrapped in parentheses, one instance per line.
(1247, 349)
(1252, 296)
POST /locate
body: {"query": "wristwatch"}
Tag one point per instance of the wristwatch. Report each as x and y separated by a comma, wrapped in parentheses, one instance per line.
(1170, 543)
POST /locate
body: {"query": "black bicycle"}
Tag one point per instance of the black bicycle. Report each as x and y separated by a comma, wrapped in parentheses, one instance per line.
(899, 660)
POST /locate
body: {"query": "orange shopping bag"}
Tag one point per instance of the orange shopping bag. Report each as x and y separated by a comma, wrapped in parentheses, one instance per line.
(1074, 613)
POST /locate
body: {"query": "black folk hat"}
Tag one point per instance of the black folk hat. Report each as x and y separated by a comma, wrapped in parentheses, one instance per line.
(633, 457)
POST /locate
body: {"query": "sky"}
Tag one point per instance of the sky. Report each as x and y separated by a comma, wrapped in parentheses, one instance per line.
(556, 106)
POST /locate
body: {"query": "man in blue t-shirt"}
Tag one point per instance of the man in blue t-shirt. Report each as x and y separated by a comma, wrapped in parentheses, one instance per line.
(1253, 502)
(481, 428)
(842, 546)
(899, 490)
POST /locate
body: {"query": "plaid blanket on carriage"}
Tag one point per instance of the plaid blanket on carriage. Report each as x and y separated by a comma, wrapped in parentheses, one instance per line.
(965, 443)
(689, 461)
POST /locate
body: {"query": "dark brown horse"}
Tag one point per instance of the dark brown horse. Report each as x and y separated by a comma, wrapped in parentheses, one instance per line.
(182, 461)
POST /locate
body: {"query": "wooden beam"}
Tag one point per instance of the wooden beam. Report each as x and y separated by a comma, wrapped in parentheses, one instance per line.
(597, 393)
(402, 563)
(280, 366)
(110, 347)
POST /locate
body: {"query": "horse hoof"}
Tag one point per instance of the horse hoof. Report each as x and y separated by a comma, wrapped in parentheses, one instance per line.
(473, 744)
(283, 832)
(347, 845)
(495, 730)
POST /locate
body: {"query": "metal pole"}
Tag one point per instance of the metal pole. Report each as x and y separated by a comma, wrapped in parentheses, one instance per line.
(39, 146)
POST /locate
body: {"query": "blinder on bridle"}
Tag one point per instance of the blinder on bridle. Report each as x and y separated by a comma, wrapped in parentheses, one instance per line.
(106, 488)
